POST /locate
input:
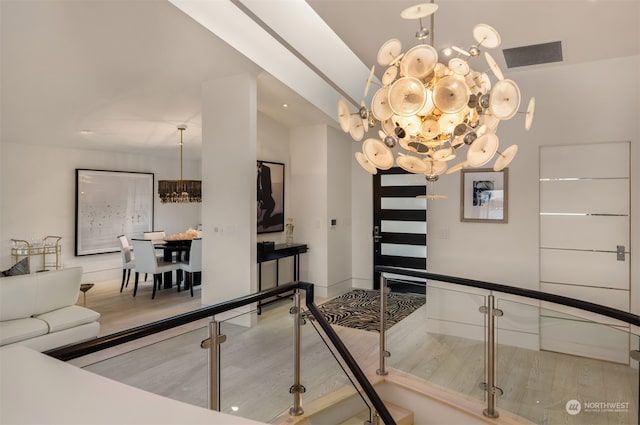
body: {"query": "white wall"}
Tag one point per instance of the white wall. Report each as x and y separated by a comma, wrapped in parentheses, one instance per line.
(38, 184)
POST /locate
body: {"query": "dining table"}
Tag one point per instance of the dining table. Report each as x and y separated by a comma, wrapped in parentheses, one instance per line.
(176, 250)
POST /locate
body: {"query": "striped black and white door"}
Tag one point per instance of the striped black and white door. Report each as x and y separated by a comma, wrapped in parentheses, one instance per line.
(400, 227)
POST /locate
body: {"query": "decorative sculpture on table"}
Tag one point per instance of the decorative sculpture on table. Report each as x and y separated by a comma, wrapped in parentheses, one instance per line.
(289, 231)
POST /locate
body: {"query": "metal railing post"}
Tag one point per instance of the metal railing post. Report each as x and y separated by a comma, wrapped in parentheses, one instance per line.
(635, 355)
(490, 350)
(383, 333)
(213, 345)
(297, 389)
(375, 418)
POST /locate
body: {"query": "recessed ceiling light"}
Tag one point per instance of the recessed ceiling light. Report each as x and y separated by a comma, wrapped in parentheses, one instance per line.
(86, 131)
(285, 105)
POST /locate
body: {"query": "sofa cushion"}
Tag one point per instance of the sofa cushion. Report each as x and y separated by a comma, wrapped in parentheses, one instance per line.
(59, 339)
(68, 317)
(20, 329)
(21, 267)
(18, 296)
(56, 289)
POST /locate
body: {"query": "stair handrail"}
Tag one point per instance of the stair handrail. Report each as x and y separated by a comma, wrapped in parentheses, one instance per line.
(527, 293)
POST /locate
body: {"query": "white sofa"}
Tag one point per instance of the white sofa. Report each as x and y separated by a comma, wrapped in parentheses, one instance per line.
(38, 310)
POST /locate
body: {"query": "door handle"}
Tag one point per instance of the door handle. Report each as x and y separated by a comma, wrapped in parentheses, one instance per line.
(620, 253)
(376, 234)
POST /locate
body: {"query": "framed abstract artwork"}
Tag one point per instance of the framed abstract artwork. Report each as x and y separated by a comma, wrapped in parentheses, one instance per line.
(484, 195)
(109, 204)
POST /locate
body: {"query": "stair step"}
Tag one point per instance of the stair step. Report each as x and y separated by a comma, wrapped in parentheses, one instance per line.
(401, 415)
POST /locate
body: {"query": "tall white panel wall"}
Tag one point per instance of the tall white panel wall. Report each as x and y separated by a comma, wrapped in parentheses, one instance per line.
(308, 147)
(338, 209)
(362, 226)
(321, 191)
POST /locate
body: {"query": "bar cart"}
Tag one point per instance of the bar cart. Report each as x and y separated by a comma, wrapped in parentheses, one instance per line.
(48, 248)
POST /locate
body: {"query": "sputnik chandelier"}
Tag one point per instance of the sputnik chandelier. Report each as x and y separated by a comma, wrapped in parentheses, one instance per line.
(434, 111)
(180, 191)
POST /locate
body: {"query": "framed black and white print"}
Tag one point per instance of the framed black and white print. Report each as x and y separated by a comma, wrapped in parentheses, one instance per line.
(484, 195)
(270, 189)
(109, 204)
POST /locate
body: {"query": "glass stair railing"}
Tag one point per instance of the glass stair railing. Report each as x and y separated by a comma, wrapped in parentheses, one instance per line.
(482, 349)
(174, 368)
(256, 366)
(525, 354)
(257, 372)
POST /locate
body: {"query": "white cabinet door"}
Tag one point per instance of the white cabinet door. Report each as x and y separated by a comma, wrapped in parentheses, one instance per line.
(584, 224)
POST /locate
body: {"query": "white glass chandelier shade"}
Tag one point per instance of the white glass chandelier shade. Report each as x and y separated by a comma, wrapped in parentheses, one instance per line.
(428, 113)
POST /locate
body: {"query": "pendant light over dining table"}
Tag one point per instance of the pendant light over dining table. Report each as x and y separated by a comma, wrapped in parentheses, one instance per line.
(432, 110)
(180, 191)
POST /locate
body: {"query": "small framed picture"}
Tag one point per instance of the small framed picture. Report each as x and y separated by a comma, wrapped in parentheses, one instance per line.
(484, 195)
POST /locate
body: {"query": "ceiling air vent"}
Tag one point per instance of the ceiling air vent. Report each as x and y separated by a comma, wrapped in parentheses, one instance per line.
(534, 54)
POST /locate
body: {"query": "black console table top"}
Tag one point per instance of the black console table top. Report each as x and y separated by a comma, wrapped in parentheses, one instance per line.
(280, 251)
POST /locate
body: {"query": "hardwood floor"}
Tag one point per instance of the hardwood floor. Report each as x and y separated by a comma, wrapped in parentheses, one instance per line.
(257, 367)
(121, 310)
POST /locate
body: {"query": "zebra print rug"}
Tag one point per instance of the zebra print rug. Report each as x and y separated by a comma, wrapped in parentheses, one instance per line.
(360, 309)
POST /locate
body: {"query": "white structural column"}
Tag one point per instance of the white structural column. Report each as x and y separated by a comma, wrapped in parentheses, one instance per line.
(229, 132)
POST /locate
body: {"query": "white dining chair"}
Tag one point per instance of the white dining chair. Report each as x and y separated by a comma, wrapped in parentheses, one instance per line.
(157, 236)
(128, 263)
(194, 264)
(147, 262)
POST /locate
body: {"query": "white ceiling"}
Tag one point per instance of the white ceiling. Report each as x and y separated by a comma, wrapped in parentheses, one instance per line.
(131, 70)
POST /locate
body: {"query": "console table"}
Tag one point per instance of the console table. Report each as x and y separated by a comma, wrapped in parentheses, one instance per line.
(280, 251)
